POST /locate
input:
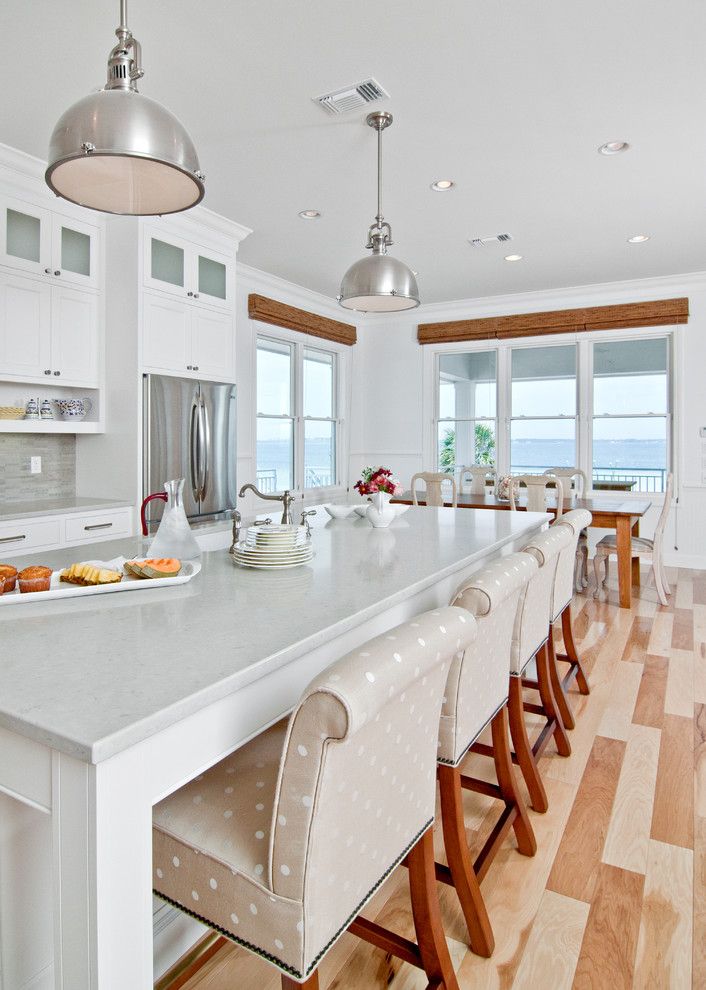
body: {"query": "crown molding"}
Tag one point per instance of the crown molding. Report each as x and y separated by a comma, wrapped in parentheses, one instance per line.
(289, 292)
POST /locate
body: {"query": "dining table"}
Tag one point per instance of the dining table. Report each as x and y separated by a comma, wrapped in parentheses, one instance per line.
(608, 511)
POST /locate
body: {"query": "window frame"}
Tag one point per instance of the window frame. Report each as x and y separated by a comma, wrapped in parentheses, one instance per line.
(495, 420)
(584, 385)
(301, 342)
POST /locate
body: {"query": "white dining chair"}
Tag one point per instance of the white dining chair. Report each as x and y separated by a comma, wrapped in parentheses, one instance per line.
(639, 547)
(478, 474)
(578, 484)
(537, 485)
(433, 481)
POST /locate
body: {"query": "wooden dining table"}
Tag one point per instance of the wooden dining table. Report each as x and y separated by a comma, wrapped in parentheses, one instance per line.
(609, 512)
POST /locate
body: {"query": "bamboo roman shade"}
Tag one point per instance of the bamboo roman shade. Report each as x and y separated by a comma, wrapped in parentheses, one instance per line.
(270, 311)
(662, 312)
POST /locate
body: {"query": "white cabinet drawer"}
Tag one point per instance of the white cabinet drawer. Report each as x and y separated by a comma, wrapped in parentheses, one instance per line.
(89, 528)
(24, 535)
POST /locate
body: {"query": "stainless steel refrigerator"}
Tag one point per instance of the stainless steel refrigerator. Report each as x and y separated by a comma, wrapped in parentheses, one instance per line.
(190, 432)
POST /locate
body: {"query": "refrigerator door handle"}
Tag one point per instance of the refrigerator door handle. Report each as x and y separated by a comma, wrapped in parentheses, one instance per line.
(195, 450)
(204, 450)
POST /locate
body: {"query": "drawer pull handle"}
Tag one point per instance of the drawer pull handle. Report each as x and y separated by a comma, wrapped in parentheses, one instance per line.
(13, 539)
(98, 526)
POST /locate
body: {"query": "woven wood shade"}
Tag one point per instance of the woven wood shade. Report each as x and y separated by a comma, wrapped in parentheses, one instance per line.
(662, 312)
(270, 311)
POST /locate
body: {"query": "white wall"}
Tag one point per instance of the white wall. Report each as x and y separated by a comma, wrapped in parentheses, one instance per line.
(396, 407)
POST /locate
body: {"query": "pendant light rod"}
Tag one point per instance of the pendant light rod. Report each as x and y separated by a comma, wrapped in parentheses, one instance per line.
(123, 15)
(379, 216)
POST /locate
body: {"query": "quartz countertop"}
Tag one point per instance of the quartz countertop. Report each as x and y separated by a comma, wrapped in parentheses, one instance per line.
(56, 507)
(92, 676)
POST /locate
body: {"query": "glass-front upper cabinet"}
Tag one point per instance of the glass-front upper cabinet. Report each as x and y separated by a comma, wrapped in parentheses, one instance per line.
(185, 270)
(36, 240)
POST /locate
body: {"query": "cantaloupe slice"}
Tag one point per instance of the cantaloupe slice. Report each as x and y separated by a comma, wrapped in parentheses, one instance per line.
(164, 567)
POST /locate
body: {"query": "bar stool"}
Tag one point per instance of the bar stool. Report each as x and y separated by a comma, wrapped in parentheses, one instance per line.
(433, 480)
(577, 521)
(476, 695)
(281, 844)
(530, 643)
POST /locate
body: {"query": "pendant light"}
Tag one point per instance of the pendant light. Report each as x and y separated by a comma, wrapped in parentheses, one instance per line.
(379, 283)
(121, 152)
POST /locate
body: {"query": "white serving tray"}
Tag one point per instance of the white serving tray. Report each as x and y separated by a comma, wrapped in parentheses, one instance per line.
(61, 589)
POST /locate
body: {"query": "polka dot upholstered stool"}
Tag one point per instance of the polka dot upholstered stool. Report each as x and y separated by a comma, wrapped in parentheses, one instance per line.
(281, 844)
(477, 695)
(577, 520)
(530, 646)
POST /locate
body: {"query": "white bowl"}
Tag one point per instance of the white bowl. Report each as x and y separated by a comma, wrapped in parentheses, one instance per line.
(399, 509)
(340, 511)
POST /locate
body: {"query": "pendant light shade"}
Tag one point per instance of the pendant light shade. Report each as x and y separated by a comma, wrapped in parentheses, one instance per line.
(379, 283)
(121, 152)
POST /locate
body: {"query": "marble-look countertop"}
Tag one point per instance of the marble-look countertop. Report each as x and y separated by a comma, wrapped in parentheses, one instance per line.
(56, 507)
(93, 676)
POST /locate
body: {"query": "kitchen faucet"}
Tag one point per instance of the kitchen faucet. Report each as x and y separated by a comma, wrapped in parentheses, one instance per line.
(286, 498)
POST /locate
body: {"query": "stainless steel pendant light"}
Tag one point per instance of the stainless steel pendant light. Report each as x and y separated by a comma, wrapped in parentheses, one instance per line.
(121, 152)
(379, 283)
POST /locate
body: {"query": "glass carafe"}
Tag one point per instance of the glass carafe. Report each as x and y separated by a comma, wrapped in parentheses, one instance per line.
(174, 537)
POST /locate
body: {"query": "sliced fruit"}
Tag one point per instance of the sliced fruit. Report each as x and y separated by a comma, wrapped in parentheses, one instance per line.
(164, 567)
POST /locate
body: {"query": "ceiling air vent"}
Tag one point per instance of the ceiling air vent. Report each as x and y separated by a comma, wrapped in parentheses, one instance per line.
(479, 242)
(352, 97)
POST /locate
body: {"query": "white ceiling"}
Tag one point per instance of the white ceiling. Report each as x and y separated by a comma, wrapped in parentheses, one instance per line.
(507, 97)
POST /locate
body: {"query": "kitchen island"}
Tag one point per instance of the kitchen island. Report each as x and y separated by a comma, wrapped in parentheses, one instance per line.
(110, 702)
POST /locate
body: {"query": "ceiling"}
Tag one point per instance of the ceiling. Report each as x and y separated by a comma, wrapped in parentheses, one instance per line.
(508, 98)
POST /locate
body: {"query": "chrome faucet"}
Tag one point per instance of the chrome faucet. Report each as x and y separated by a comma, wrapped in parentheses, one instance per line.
(286, 498)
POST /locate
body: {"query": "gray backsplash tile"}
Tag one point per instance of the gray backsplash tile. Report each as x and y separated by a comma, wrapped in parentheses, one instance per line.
(58, 477)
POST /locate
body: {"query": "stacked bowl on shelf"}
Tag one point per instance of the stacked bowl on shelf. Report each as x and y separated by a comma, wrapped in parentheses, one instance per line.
(274, 547)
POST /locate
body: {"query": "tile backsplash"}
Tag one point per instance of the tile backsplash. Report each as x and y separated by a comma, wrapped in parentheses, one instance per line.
(58, 477)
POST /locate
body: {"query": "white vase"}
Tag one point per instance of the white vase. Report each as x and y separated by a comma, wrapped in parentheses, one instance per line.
(380, 512)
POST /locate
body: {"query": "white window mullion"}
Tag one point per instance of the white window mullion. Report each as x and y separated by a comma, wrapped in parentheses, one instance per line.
(504, 411)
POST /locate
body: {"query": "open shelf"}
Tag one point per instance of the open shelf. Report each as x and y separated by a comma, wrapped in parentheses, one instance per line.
(49, 426)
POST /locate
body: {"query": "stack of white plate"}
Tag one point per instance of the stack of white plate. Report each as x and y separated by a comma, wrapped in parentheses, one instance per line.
(270, 548)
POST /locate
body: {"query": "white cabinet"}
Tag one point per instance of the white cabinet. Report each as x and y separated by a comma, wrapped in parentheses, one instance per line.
(51, 245)
(21, 536)
(186, 270)
(47, 332)
(25, 327)
(182, 339)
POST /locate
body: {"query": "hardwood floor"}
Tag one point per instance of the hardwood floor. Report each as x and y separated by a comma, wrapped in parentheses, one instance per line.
(616, 895)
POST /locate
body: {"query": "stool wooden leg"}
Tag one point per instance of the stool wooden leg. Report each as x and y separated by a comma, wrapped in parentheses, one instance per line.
(567, 716)
(523, 749)
(572, 652)
(433, 949)
(549, 701)
(460, 864)
(312, 983)
(526, 842)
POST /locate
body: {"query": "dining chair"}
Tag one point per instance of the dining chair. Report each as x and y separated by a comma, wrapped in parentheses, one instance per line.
(578, 483)
(537, 485)
(476, 696)
(433, 481)
(281, 844)
(478, 474)
(640, 547)
(529, 664)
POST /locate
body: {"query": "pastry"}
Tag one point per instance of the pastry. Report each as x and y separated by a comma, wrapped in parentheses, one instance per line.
(2, 585)
(9, 573)
(87, 574)
(34, 579)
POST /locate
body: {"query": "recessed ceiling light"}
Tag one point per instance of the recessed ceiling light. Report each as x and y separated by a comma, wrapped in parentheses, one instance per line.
(309, 214)
(638, 238)
(442, 185)
(513, 257)
(613, 147)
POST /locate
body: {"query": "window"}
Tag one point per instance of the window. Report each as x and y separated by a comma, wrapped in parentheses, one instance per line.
(593, 402)
(466, 424)
(543, 408)
(631, 413)
(297, 424)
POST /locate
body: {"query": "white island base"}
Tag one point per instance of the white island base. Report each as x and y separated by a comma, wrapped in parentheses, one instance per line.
(110, 703)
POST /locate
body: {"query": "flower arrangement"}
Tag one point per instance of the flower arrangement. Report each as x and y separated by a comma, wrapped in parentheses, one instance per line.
(377, 479)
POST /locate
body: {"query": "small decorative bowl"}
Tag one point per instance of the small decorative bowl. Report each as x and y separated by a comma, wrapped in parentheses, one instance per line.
(341, 511)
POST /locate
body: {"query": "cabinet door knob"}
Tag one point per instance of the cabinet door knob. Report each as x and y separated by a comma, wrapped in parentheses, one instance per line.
(57, 272)
(57, 373)
(47, 271)
(196, 367)
(196, 295)
(47, 371)
(189, 293)
(189, 367)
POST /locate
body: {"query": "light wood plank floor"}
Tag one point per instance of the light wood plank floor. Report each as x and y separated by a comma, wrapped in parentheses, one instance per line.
(616, 896)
